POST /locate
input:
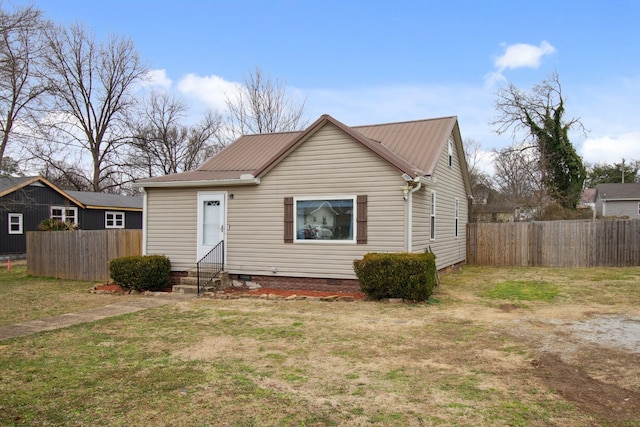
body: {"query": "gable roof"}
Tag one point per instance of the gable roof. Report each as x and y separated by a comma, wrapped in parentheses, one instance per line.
(627, 191)
(411, 147)
(84, 199)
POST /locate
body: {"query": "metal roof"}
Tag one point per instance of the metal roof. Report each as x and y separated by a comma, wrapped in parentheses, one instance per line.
(412, 147)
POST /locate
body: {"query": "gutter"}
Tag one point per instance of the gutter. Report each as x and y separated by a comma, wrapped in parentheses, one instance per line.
(243, 180)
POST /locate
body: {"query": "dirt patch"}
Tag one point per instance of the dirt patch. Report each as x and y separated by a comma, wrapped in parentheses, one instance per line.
(591, 395)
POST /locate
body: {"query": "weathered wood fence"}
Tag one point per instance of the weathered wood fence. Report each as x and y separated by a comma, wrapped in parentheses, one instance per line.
(603, 243)
(81, 254)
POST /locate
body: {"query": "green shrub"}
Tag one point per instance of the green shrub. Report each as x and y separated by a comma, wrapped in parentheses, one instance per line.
(411, 276)
(50, 224)
(141, 273)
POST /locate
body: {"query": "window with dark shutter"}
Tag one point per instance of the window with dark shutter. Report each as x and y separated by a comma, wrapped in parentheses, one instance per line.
(316, 220)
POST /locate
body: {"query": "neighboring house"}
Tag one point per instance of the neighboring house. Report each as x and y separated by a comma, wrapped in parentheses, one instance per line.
(618, 200)
(588, 199)
(26, 201)
(306, 204)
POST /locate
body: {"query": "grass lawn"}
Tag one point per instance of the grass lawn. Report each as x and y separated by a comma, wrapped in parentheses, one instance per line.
(493, 347)
(23, 297)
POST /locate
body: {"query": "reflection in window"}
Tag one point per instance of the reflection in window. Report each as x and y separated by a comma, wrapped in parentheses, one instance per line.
(325, 219)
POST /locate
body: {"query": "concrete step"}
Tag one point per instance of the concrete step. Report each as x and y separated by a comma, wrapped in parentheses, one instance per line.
(193, 289)
(189, 284)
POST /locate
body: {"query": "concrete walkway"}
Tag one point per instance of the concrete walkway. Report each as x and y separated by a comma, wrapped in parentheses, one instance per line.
(18, 330)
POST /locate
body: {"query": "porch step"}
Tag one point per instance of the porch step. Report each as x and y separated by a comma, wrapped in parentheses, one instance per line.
(189, 284)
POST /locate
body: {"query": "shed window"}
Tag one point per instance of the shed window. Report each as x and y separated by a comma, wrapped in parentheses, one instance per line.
(432, 224)
(335, 219)
(65, 214)
(457, 216)
(113, 219)
(15, 223)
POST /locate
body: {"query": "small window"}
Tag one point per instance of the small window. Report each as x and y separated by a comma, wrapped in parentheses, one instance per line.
(15, 223)
(432, 225)
(65, 214)
(450, 154)
(328, 219)
(457, 215)
(114, 219)
(638, 208)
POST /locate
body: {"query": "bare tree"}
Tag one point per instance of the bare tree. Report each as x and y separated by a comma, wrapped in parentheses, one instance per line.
(91, 87)
(262, 105)
(21, 82)
(162, 144)
(517, 176)
(538, 116)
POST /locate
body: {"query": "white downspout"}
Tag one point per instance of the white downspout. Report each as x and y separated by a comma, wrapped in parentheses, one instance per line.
(144, 220)
(409, 199)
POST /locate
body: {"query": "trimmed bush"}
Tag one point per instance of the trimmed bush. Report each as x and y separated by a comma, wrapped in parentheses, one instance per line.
(141, 273)
(411, 276)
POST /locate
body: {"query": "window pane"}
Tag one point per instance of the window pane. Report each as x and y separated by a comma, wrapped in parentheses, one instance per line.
(211, 222)
(330, 219)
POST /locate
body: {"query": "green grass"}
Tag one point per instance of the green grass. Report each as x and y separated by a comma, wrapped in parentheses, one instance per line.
(23, 297)
(521, 290)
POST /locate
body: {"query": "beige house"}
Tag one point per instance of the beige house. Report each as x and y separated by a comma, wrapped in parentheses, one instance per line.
(301, 206)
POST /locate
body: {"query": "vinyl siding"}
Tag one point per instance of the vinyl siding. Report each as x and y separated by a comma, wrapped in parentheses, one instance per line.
(620, 208)
(448, 186)
(327, 164)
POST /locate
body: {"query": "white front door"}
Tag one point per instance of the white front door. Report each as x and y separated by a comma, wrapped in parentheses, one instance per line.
(211, 221)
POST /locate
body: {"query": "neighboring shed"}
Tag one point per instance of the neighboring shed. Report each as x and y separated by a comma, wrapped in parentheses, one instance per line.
(618, 200)
(301, 206)
(26, 201)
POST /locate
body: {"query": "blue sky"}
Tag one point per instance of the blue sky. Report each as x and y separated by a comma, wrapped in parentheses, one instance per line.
(367, 62)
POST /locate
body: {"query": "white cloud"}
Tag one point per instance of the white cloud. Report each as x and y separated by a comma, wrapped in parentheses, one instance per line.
(608, 149)
(519, 55)
(157, 78)
(212, 90)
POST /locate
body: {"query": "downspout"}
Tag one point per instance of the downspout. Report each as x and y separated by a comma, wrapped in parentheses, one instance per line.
(144, 221)
(416, 184)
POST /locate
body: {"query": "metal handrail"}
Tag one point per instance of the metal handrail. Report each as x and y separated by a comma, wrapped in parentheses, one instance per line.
(210, 265)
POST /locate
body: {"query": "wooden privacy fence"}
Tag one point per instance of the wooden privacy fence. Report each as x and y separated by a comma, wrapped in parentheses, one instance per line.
(80, 254)
(603, 243)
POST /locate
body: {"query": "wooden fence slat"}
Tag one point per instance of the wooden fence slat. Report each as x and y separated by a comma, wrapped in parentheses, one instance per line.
(613, 243)
(80, 254)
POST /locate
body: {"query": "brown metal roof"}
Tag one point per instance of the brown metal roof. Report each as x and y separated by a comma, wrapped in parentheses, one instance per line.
(412, 147)
(420, 141)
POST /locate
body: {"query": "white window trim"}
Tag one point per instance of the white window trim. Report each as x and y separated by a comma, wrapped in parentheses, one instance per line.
(64, 210)
(354, 223)
(20, 223)
(115, 215)
(432, 216)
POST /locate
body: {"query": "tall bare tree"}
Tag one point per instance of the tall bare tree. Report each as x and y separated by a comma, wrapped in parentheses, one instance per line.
(91, 86)
(540, 115)
(162, 144)
(21, 82)
(262, 105)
